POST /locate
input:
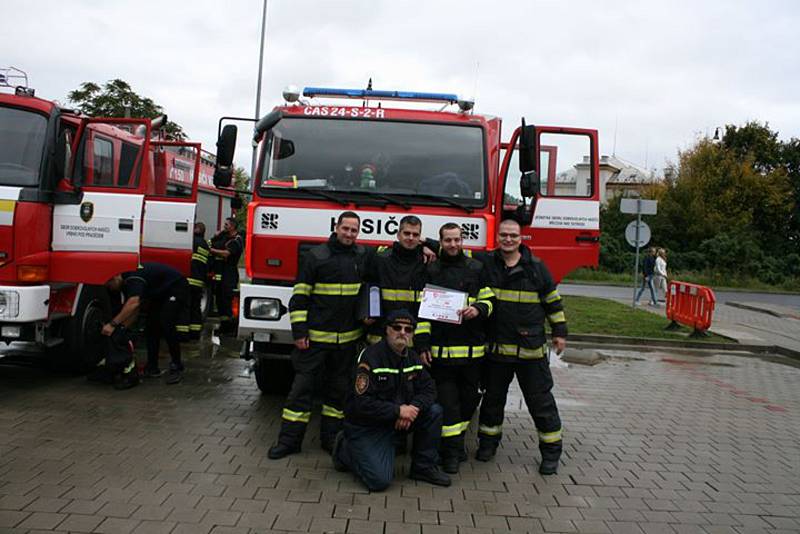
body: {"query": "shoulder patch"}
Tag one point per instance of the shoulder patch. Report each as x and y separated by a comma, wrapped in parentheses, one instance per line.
(362, 383)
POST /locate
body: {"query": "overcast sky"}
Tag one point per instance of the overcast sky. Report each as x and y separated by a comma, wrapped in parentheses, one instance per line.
(658, 74)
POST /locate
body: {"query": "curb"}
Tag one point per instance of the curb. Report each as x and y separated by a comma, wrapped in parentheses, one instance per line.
(633, 342)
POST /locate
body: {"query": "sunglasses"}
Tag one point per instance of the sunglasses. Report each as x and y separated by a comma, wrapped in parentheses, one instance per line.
(406, 329)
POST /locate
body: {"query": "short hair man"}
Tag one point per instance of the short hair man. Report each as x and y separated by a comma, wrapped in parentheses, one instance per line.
(322, 311)
(392, 393)
(525, 295)
(458, 349)
(227, 247)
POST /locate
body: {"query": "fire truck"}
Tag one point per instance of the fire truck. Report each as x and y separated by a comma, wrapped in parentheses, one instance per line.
(385, 154)
(82, 199)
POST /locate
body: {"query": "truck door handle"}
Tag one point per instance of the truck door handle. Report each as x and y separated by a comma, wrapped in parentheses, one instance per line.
(587, 238)
(126, 225)
(181, 227)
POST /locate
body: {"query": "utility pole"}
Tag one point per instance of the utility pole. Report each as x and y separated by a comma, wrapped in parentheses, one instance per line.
(258, 92)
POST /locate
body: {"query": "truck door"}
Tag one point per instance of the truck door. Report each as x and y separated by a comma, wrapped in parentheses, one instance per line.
(97, 217)
(564, 229)
(170, 204)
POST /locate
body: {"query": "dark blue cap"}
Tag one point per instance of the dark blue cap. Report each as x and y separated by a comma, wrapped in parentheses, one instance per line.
(401, 315)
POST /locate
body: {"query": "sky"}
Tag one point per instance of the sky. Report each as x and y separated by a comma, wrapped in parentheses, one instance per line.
(651, 77)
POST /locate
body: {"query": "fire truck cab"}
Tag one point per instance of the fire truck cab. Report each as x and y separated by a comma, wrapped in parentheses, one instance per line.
(385, 155)
(82, 200)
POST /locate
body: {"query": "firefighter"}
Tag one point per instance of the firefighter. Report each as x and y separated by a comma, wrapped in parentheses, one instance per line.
(197, 280)
(400, 273)
(392, 393)
(457, 349)
(525, 296)
(165, 292)
(322, 311)
(227, 247)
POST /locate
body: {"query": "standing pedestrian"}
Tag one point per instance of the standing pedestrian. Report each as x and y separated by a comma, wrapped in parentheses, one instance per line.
(164, 292)
(648, 271)
(457, 349)
(392, 394)
(525, 296)
(197, 280)
(325, 328)
(229, 253)
(661, 273)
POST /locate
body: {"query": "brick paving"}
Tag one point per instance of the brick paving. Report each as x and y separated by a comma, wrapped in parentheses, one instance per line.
(654, 443)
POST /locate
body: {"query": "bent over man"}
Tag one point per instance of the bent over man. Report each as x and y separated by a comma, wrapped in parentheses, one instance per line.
(525, 295)
(457, 349)
(322, 311)
(392, 393)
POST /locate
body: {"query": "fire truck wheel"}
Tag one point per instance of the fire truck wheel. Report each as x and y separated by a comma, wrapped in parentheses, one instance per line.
(273, 376)
(205, 303)
(83, 342)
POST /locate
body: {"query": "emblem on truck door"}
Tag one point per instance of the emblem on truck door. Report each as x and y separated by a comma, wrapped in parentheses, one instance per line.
(87, 210)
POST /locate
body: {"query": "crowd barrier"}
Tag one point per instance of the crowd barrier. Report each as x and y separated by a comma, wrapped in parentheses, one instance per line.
(691, 305)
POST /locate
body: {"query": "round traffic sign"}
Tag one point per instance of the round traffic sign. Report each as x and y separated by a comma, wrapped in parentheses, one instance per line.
(644, 234)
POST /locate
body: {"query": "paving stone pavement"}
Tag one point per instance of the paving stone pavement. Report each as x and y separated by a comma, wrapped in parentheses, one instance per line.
(654, 443)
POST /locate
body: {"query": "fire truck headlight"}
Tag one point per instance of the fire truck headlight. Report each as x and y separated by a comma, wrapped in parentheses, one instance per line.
(11, 332)
(9, 304)
(264, 308)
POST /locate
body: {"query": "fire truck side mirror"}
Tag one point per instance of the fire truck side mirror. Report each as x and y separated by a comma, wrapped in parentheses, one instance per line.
(529, 184)
(528, 148)
(226, 147)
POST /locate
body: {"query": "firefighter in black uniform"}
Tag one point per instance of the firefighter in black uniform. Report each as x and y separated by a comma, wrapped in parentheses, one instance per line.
(325, 328)
(458, 349)
(400, 272)
(165, 293)
(525, 296)
(392, 393)
(228, 248)
(197, 280)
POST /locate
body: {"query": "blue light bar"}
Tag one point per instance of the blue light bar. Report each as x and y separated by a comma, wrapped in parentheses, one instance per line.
(369, 94)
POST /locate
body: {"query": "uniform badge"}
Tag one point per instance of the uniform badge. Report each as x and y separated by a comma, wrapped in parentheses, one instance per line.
(362, 383)
(87, 210)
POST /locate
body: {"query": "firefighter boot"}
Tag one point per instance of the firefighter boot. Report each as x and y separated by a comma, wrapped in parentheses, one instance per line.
(551, 453)
(487, 448)
(452, 451)
(289, 440)
(329, 427)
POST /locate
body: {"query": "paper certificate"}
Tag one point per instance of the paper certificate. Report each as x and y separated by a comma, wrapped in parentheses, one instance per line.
(442, 304)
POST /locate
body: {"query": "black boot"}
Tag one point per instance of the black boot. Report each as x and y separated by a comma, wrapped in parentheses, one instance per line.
(432, 475)
(337, 445)
(486, 450)
(450, 463)
(281, 450)
(549, 466)
(551, 453)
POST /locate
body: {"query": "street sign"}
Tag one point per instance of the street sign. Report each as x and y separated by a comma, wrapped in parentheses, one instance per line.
(638, 205)
(644, 234)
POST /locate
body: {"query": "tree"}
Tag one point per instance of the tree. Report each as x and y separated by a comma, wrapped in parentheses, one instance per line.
(116, 99)
(241, 182)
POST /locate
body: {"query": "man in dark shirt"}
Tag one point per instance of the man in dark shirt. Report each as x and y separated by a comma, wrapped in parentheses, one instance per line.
(228, 253)
(392, 393)
(648, 272)
(165, 292)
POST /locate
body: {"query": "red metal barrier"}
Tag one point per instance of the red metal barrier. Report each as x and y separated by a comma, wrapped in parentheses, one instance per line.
(691, 305)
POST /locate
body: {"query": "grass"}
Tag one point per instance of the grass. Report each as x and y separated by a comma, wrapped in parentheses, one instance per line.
(589, 315)
(717, 282)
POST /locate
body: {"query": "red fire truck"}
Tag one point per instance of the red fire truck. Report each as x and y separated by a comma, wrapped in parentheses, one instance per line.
(317, 159)
(80, 200)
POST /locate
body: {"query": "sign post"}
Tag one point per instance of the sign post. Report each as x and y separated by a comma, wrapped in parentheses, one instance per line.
(637, 232)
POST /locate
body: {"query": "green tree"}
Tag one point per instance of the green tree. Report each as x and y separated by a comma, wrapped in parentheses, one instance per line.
(117, 99)
(241, 182)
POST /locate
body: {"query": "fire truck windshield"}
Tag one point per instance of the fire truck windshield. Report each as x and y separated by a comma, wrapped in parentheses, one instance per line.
(22, 140)
(401, 159)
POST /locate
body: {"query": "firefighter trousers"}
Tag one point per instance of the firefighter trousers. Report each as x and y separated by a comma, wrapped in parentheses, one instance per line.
(457, 389)
(329, 366)
(536, 383)
(196, 311)
(224, 297)
(168, 318)
(369, 451)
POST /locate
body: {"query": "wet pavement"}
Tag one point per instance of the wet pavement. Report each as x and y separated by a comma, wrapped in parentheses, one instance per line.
(655, 442)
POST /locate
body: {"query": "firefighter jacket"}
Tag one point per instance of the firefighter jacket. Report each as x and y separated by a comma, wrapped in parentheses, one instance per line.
(461, 343)
(199, 265)
(217, 264)
(325, 297)
(525, 295)
(384, 381)
(401, 275)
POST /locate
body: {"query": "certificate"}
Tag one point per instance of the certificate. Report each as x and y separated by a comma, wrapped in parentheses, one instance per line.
(442, 304)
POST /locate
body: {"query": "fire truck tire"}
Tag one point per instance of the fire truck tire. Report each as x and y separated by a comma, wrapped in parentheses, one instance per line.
(83, 342)
(273, 376)
(205, 303)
